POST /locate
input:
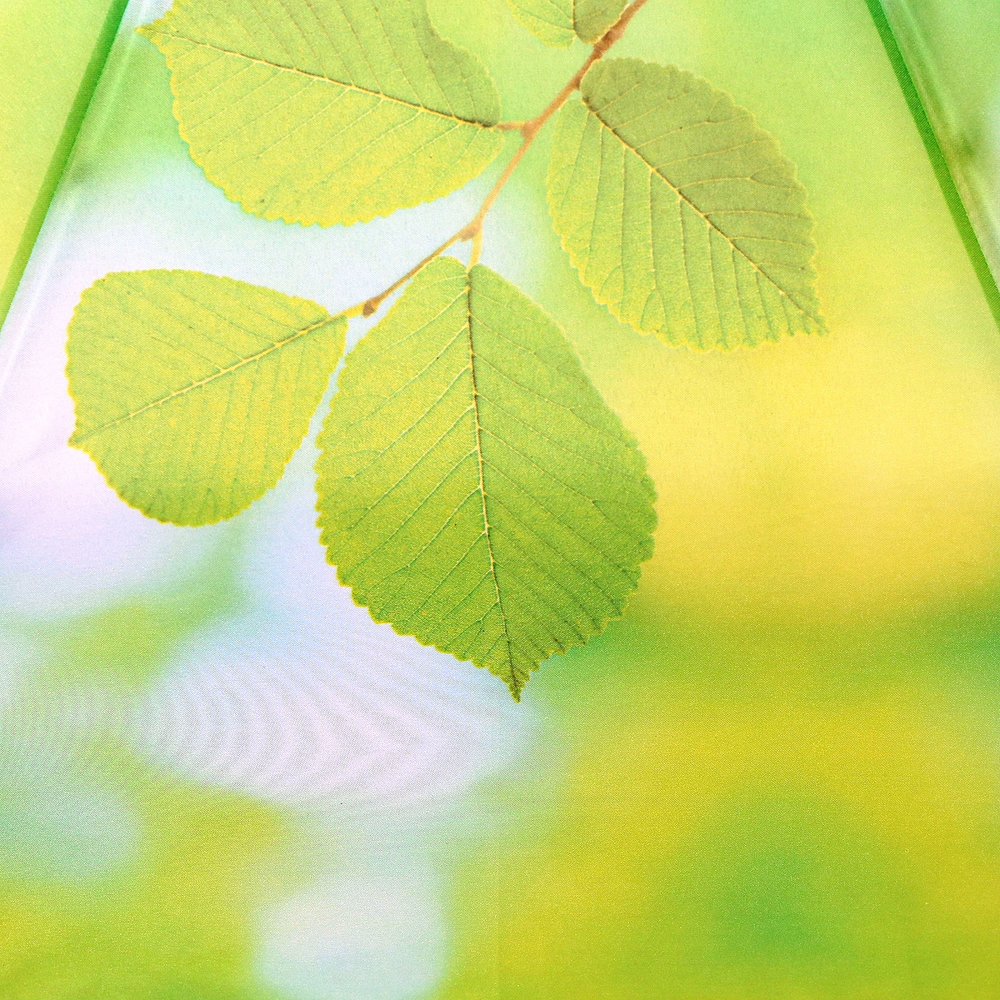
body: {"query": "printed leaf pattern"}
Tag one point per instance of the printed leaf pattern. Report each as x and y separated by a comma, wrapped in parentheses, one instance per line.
(192, 391)
(679, 212)
(474, 489)
(328, 111)
(560, 22)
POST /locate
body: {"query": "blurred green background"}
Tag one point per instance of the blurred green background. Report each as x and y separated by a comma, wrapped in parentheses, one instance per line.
(778, 777)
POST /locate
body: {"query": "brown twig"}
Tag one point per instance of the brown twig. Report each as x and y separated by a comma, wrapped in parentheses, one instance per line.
(529, 131)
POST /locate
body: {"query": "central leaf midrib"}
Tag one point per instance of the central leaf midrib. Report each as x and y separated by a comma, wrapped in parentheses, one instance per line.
(201, 383)
(712, 225)
(482, 484)
(325, 79)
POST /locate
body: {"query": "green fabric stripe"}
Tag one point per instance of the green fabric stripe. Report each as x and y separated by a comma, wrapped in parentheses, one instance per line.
(938, 160)
(62, 153)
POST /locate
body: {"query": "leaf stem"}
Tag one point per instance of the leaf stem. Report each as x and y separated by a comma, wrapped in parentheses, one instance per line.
(529, 131)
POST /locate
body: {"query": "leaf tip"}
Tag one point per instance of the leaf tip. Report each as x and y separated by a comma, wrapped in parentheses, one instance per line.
(516, 685)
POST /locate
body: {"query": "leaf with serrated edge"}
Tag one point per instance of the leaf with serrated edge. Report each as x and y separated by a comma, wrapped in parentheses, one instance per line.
(679, 212)
(328, 111)
(192, 391)
(474, 489)
(560, 22)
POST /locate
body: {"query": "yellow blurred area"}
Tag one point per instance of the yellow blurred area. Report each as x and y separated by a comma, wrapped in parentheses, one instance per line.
(752, 848)
(817, 480)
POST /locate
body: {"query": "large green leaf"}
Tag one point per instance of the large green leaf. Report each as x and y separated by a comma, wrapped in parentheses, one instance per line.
(192, 392)
(559, 22)
(474, 489)
(679, 212)
(328, 111)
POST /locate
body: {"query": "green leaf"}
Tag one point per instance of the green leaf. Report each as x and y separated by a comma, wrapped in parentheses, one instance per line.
(559, 22)
(328, 111)
(192, 392)
(474, 489)
(679, 212)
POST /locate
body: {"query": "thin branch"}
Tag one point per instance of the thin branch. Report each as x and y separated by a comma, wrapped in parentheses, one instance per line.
(529, 131)
(369, 306)
(477, 248)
